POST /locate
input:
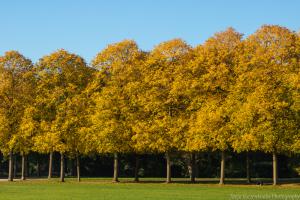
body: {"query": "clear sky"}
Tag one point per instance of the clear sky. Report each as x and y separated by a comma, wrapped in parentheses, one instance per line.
(38, 27)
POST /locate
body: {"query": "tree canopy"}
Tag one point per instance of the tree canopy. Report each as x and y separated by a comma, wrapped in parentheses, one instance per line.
(229, 94)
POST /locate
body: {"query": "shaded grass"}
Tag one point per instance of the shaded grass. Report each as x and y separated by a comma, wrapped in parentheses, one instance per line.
(102, 189)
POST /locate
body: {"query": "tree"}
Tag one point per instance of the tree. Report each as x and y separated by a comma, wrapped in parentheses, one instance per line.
(163, 125)
(265, 114)
(114, 104)
(62, 77)
(22, 141)
(294, 84)
(215, 61)
(16, 81)
(194, 90)
(71, 123)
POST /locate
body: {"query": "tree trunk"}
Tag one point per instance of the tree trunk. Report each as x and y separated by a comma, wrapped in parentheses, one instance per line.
(78, 167)
(116, 168)
(10, 167)
(275, 169)
(23, 176)
(62, 168)
(27, 166)
(222, 174)
(15, 166)
(248, 168)
(136, 169)
(196, 168)
(50, 165)
(168, 168)
(192, 167)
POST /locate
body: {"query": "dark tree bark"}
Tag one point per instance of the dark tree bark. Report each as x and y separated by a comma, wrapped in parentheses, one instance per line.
(136, 168)
(15, 166)
(10, 167)
(275, 169)
(23, 175)
(62, 168)
(78, 167)
(196, 168)
(192, 166)
(27, 166)
(222, 173)
(116, 168)
(248, 168)
(50, 165)
(168, 160)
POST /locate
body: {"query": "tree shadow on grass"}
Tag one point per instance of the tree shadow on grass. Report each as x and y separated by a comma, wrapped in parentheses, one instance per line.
(259, 182)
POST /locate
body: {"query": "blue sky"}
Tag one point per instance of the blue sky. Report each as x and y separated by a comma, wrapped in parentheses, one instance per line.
(38, 27)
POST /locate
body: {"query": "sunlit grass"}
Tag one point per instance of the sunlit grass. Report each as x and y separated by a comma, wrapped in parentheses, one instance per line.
(149, 188)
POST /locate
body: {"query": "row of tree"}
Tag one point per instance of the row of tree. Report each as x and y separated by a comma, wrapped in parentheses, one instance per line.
(229, 94)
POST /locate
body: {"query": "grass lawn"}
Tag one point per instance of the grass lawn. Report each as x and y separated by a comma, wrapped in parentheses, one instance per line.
(100, 189)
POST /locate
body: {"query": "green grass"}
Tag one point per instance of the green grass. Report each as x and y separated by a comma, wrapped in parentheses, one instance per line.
(102, 189)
